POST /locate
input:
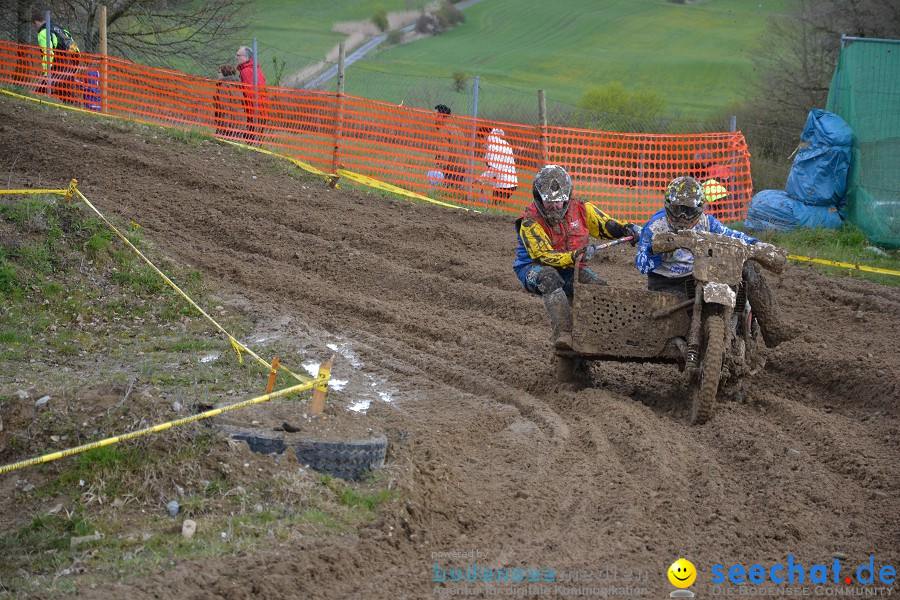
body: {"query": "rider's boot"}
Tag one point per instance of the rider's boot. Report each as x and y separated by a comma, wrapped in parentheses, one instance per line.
(557, 305)
(765, 307)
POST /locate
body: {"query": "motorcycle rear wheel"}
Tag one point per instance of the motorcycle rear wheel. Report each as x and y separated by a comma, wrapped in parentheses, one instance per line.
(710, 371)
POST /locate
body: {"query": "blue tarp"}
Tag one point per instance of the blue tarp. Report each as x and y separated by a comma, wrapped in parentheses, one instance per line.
(819, 174)
(775, 209)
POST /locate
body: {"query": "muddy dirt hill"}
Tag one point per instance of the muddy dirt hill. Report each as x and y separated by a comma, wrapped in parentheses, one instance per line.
(505, 463)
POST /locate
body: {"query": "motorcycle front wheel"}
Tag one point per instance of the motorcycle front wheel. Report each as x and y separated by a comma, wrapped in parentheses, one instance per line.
(710, 371)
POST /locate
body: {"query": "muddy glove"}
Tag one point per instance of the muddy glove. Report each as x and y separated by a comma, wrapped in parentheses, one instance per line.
(634, 231)
(585, 253)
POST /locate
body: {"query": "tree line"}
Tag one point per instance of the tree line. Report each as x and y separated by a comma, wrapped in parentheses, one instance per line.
(184, 34)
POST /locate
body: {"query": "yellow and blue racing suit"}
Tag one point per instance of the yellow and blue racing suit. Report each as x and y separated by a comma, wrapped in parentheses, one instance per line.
(544, 246)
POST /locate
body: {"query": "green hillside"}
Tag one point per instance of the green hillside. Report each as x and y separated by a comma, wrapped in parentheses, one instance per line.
(696, 54)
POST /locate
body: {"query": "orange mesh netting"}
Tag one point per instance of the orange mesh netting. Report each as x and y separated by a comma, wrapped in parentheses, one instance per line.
(465, 161)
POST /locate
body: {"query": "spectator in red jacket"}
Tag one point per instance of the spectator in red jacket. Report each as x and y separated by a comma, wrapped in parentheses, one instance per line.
(254, 98)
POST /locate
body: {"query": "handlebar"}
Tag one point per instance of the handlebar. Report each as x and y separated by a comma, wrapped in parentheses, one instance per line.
(597, 247)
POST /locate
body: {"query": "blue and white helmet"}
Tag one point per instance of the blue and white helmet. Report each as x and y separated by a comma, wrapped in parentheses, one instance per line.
(684, 202)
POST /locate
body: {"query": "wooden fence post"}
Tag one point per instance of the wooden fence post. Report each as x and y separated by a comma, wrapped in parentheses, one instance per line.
(273, 372)
(317, 405)
(542, 128)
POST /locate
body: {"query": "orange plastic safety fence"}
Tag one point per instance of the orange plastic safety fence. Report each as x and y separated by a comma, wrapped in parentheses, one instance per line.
(466, 161)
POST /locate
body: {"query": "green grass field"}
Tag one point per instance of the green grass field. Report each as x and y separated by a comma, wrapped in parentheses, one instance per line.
(697, 55)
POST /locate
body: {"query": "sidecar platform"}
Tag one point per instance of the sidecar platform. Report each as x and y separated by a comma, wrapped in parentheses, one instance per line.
(618, 324)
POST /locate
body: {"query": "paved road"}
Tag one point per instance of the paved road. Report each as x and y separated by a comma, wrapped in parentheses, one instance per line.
(331, 72)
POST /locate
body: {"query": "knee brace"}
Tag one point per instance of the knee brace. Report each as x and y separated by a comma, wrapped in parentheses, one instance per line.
(548, 280)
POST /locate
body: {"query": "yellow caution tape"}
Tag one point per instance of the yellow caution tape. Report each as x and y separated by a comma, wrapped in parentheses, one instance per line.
(302, 165)
(834, 263)
(237, 350)
(238, 346)
(381, 185)
(81, 110)
(24, 192)
(56, 104)
(325, 371)
(71, 189)
(321, 380)
(329, 177)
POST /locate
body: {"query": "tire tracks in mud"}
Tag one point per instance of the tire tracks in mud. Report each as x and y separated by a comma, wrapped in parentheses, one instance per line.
(501, 457)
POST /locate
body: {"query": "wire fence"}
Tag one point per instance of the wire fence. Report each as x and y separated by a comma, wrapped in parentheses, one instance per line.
(771, 143)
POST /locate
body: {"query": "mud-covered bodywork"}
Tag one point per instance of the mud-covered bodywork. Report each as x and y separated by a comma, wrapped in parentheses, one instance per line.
(710, 332)
(611, 322)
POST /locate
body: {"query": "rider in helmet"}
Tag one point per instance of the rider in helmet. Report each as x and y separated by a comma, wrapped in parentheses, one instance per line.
(554, 234)
(683, 207)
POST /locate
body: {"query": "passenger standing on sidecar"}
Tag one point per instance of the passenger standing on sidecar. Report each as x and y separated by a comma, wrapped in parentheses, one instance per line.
(554, 234)
(669, 272)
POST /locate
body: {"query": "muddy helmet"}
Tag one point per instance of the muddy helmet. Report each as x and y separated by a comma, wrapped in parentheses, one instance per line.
(684, 202)
(552, 192)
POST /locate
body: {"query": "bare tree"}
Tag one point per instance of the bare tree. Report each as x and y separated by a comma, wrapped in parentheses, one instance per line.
(796, 63)
(190, 35)
(15, 20)
(798, 55)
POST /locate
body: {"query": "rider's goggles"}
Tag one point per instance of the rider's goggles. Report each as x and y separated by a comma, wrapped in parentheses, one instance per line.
(684, 212)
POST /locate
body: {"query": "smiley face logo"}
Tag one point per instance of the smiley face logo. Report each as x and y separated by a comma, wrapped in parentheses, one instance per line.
(682, 573)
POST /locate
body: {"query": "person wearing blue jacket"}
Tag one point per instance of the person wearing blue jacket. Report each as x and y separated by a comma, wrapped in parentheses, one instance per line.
(683, 209)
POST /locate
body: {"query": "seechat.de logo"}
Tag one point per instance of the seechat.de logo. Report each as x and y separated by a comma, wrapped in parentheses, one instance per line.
(794, 572)
(682, 574)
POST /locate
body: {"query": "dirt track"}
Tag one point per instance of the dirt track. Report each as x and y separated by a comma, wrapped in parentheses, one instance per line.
(503, 460)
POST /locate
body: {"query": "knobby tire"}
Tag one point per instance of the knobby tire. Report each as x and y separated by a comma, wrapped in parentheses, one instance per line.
(710, 371)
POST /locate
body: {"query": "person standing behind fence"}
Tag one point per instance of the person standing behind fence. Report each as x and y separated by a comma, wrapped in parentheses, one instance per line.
(223, 103)
(60, 62)
(501, 165)
(254, 98)
(449, 167)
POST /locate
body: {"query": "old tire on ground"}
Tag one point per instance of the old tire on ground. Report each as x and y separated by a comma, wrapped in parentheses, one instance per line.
(348, 460)
(352, 459)
(257, 440)
(710, 371)
(566, 368)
